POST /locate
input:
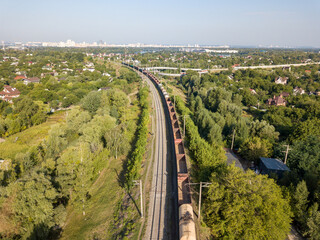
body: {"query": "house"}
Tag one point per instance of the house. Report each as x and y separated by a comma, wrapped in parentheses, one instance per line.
(19, 77)
(26, 81)
(281, 80)
(298, 90)
(286, 68)
(48, 68)
(89, 69)
(276, 101)
(54, 73)
(253, 91)
(104, 89)
(9, 93)
(106, 74)
(272, 166)
(230, 77)
(284, 94)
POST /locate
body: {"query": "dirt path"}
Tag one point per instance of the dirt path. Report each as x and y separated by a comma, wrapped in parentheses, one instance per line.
(131, 94)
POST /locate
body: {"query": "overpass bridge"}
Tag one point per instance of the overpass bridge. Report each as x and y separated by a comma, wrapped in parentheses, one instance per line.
(173, 68)
(182, 71)
(276, 66)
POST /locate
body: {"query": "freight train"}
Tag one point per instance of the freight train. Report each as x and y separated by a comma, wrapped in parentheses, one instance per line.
(187, 229)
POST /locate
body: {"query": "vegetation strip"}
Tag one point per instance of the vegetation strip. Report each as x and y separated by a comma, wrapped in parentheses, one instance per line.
(134, 163)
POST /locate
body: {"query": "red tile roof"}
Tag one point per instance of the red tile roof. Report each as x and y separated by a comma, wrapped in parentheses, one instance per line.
(19, 77)
(9, 91)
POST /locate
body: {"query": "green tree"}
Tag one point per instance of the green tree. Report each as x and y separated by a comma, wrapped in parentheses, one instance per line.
(304, 129)
(254, 148)
(300, 203)
(33, 203)
(56, 141)
(91, 102)
(313, 223)
(66, 171)
(83, 175)
(94, 131)
(304, 159)
(69, 100)
(263, 130)
(243, 205)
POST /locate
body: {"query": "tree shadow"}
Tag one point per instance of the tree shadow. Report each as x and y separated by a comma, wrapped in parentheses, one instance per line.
(123, 185)
(43, 231)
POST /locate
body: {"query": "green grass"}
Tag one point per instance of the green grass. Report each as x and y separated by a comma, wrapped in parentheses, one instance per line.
(105, 193)
(28, 138)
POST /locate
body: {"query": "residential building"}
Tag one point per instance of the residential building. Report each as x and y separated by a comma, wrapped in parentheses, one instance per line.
(253, 91)
(19, 77)
(276, 101)
(272, 166)
(26, 81)
(284, 94)
(9, 93)
(281, 80)
(54, 73)
(298, 90)
(104, 89)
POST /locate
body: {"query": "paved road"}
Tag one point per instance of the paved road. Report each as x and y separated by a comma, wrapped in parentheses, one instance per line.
(277, 66)
(157, 221)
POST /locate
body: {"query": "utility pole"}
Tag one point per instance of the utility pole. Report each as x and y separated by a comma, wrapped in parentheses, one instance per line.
(184, 124)
(202, 184)
(287, 151)
(233, 135)
(139, 182)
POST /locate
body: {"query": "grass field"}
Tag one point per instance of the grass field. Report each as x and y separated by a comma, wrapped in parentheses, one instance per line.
(105, 193)
(22, 141)
(177, 92)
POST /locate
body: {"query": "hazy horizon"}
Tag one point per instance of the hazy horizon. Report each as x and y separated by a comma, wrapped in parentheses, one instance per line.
(253, 23)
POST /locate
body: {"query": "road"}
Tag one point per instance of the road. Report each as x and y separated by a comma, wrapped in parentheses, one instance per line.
(159, 223)
(277, 66)
(226, 69)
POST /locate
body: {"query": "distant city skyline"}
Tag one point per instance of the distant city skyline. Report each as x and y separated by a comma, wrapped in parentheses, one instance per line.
(100, 43)
(283, 23)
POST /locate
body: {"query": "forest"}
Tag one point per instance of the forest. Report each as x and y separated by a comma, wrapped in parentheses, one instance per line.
(220, 108)
(80, 134)
(98, 123)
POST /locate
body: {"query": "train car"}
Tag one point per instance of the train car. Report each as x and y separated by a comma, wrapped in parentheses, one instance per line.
(187, 229)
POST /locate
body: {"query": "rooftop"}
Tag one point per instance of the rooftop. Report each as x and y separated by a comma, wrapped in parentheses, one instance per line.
(274, 164)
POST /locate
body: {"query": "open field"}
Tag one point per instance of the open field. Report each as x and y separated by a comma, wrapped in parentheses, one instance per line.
(108, 201)
(105, 193)
(22, 141)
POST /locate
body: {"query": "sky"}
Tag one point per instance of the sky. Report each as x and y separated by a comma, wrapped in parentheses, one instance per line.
(291, 23)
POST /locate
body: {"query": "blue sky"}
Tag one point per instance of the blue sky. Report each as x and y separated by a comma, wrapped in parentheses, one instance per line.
(246, 22)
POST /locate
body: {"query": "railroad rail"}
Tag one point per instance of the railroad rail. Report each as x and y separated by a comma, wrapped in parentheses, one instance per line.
(187, 229)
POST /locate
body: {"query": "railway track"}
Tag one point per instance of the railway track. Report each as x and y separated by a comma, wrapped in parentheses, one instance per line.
(156, 225)
(159, 214)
